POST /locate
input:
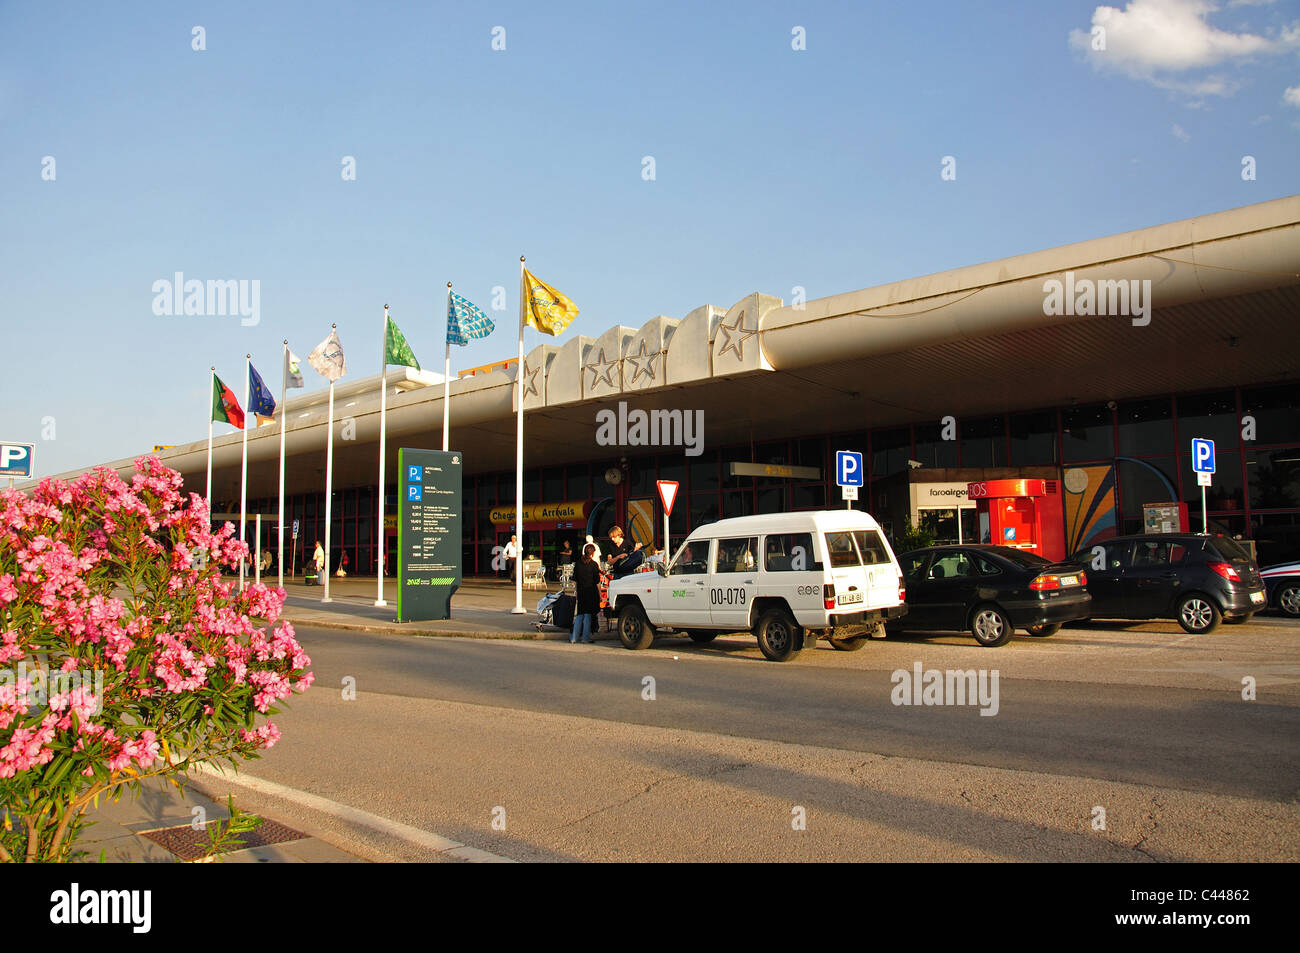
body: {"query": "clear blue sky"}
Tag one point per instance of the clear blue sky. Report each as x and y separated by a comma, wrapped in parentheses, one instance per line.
(774, 167)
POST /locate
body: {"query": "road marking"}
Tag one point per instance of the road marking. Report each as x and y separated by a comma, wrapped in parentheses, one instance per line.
(352, 815)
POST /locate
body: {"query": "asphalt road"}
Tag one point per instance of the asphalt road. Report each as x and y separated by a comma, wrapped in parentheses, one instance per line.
(565, 747)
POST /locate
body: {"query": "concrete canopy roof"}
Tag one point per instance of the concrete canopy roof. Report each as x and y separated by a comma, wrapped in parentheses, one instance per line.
(1224, 291)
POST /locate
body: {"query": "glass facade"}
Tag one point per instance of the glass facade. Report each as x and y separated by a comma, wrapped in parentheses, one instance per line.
(1256, 490)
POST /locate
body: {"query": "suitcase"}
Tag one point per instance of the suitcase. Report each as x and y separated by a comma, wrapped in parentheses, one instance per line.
(562, 611)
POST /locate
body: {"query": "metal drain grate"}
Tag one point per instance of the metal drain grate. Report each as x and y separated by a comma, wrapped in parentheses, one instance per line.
(190, 844)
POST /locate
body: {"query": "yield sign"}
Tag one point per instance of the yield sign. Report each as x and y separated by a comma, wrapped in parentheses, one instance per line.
(667, 493)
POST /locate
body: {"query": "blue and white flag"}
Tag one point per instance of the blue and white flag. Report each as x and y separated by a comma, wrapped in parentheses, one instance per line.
(260, 401)
(466, 321)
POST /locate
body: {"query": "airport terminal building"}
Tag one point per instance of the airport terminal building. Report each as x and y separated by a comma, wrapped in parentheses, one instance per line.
(1082, 371)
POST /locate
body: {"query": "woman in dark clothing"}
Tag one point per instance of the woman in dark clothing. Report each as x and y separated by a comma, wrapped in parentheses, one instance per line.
(586, 578)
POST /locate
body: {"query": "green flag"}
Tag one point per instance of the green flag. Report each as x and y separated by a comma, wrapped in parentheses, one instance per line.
(396, 350)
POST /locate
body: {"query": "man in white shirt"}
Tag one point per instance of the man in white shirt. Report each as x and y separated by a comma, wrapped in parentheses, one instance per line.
(511, 553)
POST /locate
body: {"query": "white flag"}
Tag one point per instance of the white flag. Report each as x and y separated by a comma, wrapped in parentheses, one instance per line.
(292, 371)
(327, 359)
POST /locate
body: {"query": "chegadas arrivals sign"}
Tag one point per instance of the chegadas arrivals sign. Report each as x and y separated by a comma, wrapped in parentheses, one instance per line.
(428, 533)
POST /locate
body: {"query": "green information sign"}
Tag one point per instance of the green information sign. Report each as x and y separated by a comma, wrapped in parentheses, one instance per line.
(428, 533)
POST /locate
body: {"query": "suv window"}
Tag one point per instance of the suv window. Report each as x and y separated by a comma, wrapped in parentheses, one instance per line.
(790, 552)
(737, 555)
(843, 550)
(692, 558)
(871, 546)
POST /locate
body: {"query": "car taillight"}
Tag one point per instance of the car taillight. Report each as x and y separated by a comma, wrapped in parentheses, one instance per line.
(828, 595)
(1046, 582)
(902, 594)
(1226, 571)
(1083, 578)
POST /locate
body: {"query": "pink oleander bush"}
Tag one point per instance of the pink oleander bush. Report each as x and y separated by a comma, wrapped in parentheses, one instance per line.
(123, 655)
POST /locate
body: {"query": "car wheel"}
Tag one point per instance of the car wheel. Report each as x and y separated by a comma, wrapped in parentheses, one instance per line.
(850, 644)
(634, 629)
(990, 626)
(702, 638)
(1288, 599)
(1240, 619)
(1198, 614)
(779, 636)
(1043, 631)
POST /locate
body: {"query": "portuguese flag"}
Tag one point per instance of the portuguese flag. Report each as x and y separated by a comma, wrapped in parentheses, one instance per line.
(224, 406)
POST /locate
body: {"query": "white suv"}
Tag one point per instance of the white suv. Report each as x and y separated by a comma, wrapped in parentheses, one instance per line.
(790, 578)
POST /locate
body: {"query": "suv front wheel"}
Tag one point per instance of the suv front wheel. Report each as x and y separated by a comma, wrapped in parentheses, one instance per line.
(634, 630)
(779, 636)
(1198, 614)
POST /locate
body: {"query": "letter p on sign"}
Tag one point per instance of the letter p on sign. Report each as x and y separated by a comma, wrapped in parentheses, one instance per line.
(16, 459)
(848, 468)
(1202, 455)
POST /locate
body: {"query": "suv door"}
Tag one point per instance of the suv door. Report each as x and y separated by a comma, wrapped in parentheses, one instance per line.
(683, 594)
(733, 582)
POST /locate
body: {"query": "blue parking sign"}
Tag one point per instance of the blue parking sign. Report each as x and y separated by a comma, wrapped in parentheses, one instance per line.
(415, 492)
(848, 468)
(1202, 455)
(16, 460)
(414, 473)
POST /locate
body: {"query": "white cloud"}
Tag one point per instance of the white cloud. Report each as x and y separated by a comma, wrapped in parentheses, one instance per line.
(1151, 37)
(1180, 133)
(1292, 96)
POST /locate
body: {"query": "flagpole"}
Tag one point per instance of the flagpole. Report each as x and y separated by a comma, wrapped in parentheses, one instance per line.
(329, 485)
(519, 457)
(212, 386)
(383, 436)
(243, 473)
(284, 419)
(446, 380)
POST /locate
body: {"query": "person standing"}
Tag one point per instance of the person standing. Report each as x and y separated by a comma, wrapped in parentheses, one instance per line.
(512, 555)
(318, 560)
(586, 579)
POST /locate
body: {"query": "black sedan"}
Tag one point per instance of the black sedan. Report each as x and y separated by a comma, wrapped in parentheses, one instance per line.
(990, 591)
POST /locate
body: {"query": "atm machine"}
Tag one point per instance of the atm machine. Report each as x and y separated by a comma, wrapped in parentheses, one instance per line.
(1021, 514)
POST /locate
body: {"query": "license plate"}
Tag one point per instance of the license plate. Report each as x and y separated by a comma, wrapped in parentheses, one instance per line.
(1069, 580)
(1257, 597)
(849, 598)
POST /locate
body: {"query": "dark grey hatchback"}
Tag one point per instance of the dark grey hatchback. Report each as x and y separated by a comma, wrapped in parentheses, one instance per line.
(1196, 579)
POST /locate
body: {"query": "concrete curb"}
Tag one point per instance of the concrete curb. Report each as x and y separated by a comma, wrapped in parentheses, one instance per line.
(400, 629)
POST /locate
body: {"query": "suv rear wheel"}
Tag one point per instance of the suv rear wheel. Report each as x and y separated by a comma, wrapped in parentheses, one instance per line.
(779, 636)
(634, 630)
(1198, 614)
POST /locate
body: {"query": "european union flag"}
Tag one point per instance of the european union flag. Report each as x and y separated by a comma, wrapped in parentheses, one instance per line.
(260, 400)
(465, 320)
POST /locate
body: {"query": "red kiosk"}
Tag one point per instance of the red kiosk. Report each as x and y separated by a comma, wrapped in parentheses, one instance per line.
(1022, 514)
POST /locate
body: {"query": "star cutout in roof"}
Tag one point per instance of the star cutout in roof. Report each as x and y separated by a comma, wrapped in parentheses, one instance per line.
(648, 368)
(530, 380)
(738, 331)
(607, 375)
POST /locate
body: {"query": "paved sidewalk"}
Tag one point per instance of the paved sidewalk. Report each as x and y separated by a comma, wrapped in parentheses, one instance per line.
(119, 827)
(479, 609)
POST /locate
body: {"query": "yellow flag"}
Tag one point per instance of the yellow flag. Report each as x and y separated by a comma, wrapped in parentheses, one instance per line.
(545, 308)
